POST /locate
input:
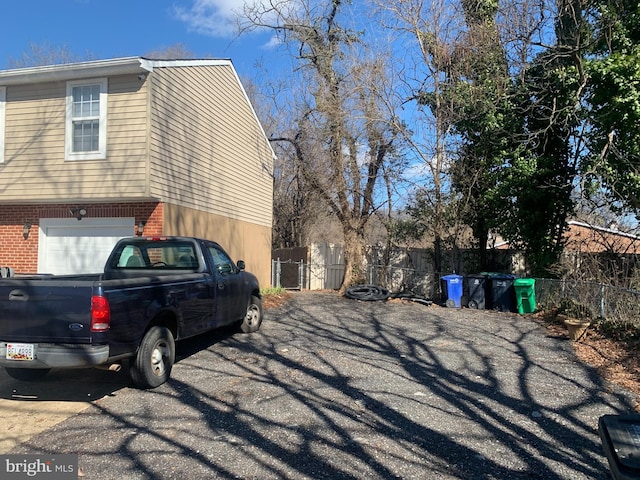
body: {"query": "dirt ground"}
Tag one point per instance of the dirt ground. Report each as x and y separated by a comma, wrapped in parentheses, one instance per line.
(617, 362)
(23, 419)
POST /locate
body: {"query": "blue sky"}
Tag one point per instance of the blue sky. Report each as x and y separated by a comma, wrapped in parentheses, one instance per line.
(120, 28)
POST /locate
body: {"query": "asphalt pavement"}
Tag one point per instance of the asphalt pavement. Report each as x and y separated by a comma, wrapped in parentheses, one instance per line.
(332, 388)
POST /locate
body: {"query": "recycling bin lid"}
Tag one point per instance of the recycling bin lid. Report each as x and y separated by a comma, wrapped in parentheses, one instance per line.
(476, 275)
(451, 276)
(497, 274)
(524, 282)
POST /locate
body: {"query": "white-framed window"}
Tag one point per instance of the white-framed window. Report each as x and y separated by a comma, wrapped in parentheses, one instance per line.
(86, 123)
(3, 100)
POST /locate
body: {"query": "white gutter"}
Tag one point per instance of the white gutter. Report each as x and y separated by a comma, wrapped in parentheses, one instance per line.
(68, 71)
(96, 68)
(149, 65)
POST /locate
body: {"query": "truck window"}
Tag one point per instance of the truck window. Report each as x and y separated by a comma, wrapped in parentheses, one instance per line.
(131, 257)
(186, 258)
(221, 260)
(158, 255)
(172, 255)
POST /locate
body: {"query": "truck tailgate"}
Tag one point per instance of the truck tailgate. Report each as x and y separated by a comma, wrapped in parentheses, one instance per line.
(45, 311)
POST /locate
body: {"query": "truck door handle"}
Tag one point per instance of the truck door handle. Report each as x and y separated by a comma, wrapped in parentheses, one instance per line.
(19, 295)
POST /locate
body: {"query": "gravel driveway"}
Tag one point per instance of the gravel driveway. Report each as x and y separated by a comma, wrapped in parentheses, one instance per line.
(332, 388)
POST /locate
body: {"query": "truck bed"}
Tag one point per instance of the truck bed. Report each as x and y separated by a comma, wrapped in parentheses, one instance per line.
(46, 309)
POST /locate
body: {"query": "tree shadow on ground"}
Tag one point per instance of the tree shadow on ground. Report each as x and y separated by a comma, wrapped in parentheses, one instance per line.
(338, 389)
(88, 384)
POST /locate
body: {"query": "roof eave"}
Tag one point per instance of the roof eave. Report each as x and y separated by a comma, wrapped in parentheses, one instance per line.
(63, 72)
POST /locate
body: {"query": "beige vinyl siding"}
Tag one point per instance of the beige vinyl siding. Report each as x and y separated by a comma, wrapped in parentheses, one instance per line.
(208, 151)
(3, 91)
(35, 167)
(242, 240)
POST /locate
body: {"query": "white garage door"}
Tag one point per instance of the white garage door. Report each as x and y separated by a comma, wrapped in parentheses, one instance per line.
(69, 246)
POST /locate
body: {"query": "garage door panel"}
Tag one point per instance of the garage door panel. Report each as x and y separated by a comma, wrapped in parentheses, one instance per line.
(72, 247)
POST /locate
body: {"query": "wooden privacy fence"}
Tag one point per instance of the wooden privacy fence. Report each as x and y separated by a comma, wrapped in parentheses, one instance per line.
(320, 266)
(317, 267)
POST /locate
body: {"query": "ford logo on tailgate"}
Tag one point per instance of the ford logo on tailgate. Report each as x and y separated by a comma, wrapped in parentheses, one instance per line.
(76, 327)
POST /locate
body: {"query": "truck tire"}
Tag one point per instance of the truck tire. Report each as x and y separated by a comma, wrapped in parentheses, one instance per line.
(27, 374)
(253, 318)
(152, 364)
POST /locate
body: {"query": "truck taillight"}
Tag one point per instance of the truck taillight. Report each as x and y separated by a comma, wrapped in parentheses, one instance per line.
(100, 314)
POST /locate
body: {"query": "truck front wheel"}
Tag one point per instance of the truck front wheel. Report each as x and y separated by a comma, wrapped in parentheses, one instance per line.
(26, 374)
(152, 365)
(253, 318)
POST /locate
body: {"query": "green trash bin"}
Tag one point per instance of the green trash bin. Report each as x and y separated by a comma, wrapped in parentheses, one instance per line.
(525, 294)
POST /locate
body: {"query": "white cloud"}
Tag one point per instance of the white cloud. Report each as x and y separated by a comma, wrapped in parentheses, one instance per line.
(274, 42)
(220, 18)
(216, 18)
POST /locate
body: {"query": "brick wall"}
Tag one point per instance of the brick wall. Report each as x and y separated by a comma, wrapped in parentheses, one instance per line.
(595, 239)
(20, 251)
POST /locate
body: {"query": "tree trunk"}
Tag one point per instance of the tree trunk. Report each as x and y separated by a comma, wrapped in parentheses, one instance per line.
(354, 258)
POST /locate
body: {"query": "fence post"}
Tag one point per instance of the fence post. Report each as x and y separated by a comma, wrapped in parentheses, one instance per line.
(273, 273)
(301, 274)
(276, 272)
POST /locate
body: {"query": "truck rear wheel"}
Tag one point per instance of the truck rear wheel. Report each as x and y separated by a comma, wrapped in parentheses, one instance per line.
(253, 318)
(152, 365)
(27, 374)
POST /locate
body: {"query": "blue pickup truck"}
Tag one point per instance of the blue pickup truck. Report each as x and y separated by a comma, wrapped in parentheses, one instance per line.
(153, 291)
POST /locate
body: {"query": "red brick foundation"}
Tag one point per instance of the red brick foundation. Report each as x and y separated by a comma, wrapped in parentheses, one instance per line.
(20, 251)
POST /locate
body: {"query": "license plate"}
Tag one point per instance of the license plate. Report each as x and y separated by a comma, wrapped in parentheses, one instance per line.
(20, 351)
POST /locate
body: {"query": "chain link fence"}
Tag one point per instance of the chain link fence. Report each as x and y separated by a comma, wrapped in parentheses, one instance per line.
(591, 300)
(289, 274)
(588, 299)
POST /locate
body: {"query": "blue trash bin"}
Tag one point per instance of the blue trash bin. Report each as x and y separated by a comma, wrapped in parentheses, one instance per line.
(452, 290)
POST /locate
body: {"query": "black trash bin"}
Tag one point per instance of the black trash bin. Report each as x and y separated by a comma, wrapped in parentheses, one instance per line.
(620, 435)
(477, 291)
(503, 294)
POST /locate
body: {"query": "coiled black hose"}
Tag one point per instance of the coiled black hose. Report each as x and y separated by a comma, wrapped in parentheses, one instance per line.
(368, 293)
(371, 293)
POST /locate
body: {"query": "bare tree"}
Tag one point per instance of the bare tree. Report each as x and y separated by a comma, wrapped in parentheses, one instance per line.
(298, 213)
(39, 54)
(342, 135)
(430, 31)
(173, 52)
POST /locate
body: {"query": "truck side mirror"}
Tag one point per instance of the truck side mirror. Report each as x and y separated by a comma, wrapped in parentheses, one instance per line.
(241, 265)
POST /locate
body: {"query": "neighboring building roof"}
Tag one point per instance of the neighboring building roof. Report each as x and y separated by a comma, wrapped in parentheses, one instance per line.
(583, 237)
(587, 238)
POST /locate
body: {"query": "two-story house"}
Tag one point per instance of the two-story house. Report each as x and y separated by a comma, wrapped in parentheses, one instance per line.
(91, 152)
